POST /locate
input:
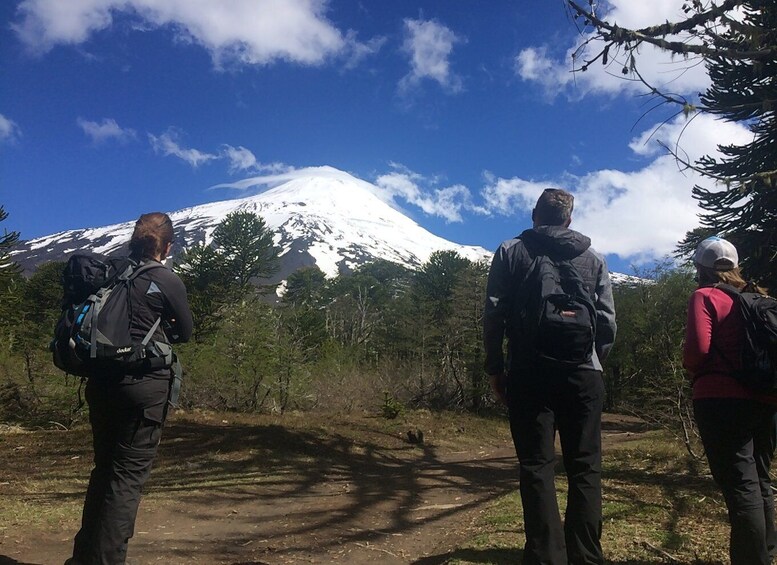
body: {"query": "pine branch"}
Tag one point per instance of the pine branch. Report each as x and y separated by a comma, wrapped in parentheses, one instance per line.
(619, 36)
(767, 177)
(688, 108)
(699, 19)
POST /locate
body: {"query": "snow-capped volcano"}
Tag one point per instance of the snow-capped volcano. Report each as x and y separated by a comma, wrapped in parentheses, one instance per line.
(321, 216)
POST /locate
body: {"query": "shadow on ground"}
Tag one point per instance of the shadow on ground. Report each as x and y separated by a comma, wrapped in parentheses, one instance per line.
(259, 491)
(4, 560)
(512, 556)
(495, 556)
(336, 489)
(251, 492)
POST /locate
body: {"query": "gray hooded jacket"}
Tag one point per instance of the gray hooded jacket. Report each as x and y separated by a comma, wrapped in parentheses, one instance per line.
(508, 269)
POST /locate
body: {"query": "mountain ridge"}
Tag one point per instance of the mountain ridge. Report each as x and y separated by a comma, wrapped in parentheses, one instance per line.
(320, 216)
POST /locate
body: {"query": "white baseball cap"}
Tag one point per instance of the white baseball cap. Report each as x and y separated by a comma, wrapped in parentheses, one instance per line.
(716, 253)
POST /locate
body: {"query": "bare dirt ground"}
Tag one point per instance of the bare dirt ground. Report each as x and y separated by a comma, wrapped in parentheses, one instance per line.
(241, 490)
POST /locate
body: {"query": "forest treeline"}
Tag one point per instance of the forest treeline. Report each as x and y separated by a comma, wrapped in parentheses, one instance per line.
(382, 338)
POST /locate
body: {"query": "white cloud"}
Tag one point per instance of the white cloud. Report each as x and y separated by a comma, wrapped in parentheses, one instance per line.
(254, 32)
(398, 187)
(553, 71)
(447, 202)
(100, 132)
(534, 64)
(639, 215)
(285, 173)
(167, 144)
(355, 51)
(9, 130)
(506, 196)
(429, 45)
(240, 159)
(243, 160)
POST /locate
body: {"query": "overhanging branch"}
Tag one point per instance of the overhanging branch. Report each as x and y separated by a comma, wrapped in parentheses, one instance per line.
(654, 35)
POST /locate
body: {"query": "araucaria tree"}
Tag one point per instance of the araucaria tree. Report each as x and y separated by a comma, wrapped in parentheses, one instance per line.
(737, 41)
(245, 246)
(10, 276)
(241, 254)
(8, 269)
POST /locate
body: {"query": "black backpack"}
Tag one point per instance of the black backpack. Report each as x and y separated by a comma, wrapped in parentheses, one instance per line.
(759, 347)
(92, 335)
(557, 314)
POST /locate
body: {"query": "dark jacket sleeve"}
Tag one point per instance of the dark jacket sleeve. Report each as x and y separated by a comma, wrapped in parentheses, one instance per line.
(496, 311)
(176, 310)
(605, 312)
(180, 316)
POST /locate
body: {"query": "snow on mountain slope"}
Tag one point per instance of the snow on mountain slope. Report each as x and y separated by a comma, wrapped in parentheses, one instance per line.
(321, 216)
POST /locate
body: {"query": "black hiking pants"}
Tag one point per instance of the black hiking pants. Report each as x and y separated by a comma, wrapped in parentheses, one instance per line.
(569, 401)
(739, 438)
(126, 417)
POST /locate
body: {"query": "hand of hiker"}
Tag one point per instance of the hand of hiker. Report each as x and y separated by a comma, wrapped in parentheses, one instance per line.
(498, 386)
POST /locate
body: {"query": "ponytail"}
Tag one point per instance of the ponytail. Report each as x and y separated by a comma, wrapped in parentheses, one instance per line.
(153, 232)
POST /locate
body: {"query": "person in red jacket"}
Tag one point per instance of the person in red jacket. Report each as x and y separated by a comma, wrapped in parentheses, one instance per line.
(737, 425)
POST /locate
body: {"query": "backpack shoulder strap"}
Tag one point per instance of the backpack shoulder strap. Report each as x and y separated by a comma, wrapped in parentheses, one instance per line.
(519, 295)
(568, 270)
(572, 281)
(736, 294)
(535, 265)
(728, 289)
(134, 269)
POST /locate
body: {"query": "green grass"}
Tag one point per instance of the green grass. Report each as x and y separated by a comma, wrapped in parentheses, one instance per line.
(34, 511)
(657, 501)
(658, 505)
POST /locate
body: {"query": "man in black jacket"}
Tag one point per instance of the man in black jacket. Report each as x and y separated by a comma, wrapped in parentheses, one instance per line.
(543, 396)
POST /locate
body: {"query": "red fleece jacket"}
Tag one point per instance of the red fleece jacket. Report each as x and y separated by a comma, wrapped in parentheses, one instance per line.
(713, 343)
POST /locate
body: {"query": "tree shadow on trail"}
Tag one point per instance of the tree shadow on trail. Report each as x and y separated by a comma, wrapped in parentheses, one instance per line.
(489, 555)
(505, 556)
(251, 493)
(5, 560)
(311, 490)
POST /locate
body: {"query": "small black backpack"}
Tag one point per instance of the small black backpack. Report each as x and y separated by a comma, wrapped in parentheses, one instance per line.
(93, 333)
(557, 314)
(759, 347)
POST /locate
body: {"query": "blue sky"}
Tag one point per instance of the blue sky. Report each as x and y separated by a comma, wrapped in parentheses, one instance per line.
(460, 111)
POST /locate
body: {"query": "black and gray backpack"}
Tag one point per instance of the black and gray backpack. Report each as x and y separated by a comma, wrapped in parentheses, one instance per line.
(93, 334)
(758, 360)
(557, 314)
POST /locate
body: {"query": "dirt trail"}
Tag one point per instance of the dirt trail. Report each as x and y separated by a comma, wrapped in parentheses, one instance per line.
(252, 493)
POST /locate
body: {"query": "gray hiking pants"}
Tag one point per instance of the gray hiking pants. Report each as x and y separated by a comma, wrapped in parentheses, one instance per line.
(126, 415)
(739, 438)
